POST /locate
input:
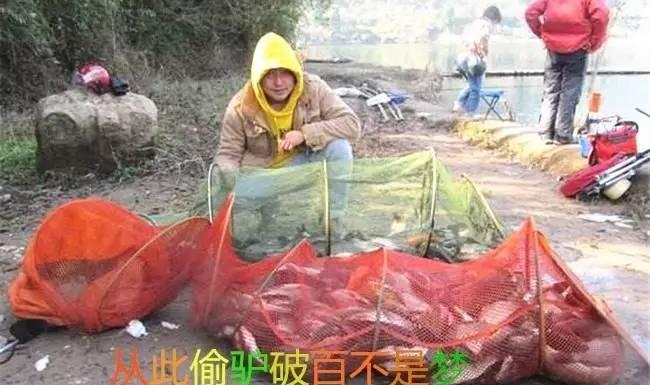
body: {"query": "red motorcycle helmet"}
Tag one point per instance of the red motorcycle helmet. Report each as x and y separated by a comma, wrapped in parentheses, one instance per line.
(94, 77)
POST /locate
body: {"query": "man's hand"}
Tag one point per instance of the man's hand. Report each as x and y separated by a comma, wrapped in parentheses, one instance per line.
(292, 139)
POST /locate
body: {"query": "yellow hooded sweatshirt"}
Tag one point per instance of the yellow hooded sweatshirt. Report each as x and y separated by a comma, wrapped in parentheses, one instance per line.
(272, 52)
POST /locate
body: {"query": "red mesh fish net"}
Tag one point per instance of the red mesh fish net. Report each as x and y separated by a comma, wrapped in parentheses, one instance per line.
(94, 265)
(515, 312)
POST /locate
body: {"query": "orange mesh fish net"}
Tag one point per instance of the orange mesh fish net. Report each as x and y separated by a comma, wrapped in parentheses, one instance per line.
(94, 265)
(514, 312)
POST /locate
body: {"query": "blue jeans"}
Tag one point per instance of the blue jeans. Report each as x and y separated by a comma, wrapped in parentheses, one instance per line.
(260, 189)
(469, 97)
(338, 154)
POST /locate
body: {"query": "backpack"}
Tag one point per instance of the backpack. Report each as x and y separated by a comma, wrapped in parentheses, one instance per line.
(582, 180)
(119, 86)
(620, 140)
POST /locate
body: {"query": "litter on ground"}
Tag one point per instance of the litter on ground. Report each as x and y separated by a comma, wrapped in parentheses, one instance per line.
(136, 329)
(169, 325)
(41, 364)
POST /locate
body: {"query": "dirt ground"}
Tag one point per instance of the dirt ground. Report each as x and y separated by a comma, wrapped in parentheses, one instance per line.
(613, 262)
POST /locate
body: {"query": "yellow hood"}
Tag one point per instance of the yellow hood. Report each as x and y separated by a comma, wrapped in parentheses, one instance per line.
(271, 52)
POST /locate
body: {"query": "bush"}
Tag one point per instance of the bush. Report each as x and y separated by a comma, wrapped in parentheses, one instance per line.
(42, 41)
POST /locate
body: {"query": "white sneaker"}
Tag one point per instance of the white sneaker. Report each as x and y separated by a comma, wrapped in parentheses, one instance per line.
(457, 107)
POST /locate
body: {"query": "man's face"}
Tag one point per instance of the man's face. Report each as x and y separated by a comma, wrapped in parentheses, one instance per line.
(278, 84)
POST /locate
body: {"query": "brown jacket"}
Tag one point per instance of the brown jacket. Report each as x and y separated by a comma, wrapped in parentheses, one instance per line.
(320, 114)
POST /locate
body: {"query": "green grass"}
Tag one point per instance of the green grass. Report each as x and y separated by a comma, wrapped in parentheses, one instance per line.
(193, 102)
(17, 157)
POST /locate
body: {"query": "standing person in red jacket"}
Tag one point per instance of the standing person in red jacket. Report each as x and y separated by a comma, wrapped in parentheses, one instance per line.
(570, 30)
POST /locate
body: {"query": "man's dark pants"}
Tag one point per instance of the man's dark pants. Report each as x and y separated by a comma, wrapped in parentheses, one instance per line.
(564, 75)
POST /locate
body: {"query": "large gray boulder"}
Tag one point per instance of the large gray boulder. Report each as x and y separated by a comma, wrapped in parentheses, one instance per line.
(80, 130)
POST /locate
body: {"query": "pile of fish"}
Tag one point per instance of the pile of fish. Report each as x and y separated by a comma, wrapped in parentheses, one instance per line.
(580, 347)
(354, 305)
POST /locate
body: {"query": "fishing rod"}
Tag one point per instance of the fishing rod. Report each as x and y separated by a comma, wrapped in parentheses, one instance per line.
(643, 112)
(581, 119)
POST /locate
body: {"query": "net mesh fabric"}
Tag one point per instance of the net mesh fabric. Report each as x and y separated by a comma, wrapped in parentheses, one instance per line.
(95, 265)
(409, 203)
(515, 311)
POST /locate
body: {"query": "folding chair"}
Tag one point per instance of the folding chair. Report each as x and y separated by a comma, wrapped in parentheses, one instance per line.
(491, 97)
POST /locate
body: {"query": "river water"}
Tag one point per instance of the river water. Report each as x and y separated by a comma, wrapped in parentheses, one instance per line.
(621, 93)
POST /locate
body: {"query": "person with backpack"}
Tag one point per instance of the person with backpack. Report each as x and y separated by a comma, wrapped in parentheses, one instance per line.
(570, 30)
(471, 62)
